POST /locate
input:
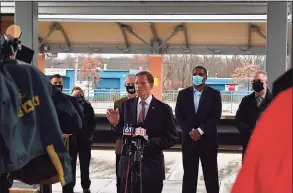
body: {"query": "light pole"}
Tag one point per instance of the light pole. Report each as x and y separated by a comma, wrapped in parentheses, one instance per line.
(75, 70)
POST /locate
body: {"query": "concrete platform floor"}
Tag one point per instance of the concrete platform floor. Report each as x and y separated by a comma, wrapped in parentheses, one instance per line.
(102, 171)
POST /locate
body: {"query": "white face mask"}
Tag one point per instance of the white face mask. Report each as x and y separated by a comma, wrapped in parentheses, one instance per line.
(197, 80)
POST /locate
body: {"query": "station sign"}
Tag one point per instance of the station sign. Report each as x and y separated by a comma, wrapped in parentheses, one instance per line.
(52, 71)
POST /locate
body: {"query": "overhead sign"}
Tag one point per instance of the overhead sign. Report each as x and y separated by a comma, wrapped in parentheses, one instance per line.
(231, 87)
(52, 71)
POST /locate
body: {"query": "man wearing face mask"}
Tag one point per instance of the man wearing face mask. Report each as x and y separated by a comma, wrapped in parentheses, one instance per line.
(131, 93)
(84, 139)
(69, 117)
(57, 81)
(198, 110)
(252, 106)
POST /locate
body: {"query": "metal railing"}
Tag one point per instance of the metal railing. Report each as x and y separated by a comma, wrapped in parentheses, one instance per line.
(103, 99)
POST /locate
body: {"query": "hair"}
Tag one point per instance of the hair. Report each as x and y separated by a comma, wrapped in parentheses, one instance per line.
(202, 68)
(77, 88)
(130, 76)
(150, 77)
(265, 75)
(55, 76)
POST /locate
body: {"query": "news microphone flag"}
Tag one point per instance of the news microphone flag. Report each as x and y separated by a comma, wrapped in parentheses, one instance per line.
(128, 131)
(140, 131)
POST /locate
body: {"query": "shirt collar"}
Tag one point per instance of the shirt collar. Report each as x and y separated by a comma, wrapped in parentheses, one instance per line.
(262, 96)
(196, 91)
(147, 101)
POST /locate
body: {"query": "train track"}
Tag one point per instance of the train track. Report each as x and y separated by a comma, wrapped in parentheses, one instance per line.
(228, 135)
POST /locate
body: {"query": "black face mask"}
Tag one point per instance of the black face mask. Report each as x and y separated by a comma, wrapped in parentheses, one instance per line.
(130, 89)
(80, 99)
(59, 87)
(257, 86)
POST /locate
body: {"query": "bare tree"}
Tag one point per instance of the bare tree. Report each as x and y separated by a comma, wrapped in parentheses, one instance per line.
(243, 75)
(139, 62)
(177, 70)
(89, 66)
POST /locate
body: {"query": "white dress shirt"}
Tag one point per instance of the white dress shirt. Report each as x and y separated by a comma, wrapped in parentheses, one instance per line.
(197, 96)
(146, 106)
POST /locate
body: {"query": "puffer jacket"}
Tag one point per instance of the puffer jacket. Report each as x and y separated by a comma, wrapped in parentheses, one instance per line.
(29, 127)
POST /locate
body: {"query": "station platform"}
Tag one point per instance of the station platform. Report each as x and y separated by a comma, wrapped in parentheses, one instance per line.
(102, 171)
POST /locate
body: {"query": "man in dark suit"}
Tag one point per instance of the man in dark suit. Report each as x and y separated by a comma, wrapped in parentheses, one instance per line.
(131, 93)
(252, 106)
(70, 123)
(198, 110)
(159, 123)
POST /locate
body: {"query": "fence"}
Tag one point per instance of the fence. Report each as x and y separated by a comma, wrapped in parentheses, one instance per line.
(103, 99)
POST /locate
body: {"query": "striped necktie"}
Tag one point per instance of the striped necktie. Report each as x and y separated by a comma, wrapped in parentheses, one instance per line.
(259, 100)
(142, 112)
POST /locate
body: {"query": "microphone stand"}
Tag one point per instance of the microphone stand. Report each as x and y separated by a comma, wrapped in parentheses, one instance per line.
(136, 172)
(135, 155)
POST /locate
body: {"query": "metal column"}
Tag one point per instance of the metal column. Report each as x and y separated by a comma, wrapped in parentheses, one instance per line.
(276, 50)
(26, 16)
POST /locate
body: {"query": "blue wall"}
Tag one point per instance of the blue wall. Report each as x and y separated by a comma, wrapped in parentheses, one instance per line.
(109, 83)
(110, 79)
(218, 83)
(114, 79)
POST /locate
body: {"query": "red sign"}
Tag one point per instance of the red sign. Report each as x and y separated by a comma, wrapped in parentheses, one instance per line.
(231, 87)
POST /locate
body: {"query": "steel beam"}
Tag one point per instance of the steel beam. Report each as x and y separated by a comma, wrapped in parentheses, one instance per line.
(26, 17)
(130, 30)
(134, 49)
(126, 46)
(91, 8)
(186, 48)
(256, 29)
(154, 32)
(156, 41)
(54, 27)
(276, 50)
(177, 29)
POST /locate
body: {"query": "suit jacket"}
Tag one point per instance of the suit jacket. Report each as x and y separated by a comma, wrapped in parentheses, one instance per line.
(248, 114)
(267, 166)
(74, 102)
(89, 120)
(160, 127)
(117, 103)
(67, 111)
(207, 116)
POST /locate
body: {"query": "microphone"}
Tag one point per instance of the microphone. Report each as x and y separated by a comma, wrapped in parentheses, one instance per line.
(140, 133)
(127, 134)
(128, 131)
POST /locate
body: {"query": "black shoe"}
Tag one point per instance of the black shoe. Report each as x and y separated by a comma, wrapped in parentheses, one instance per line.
(86, 191)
